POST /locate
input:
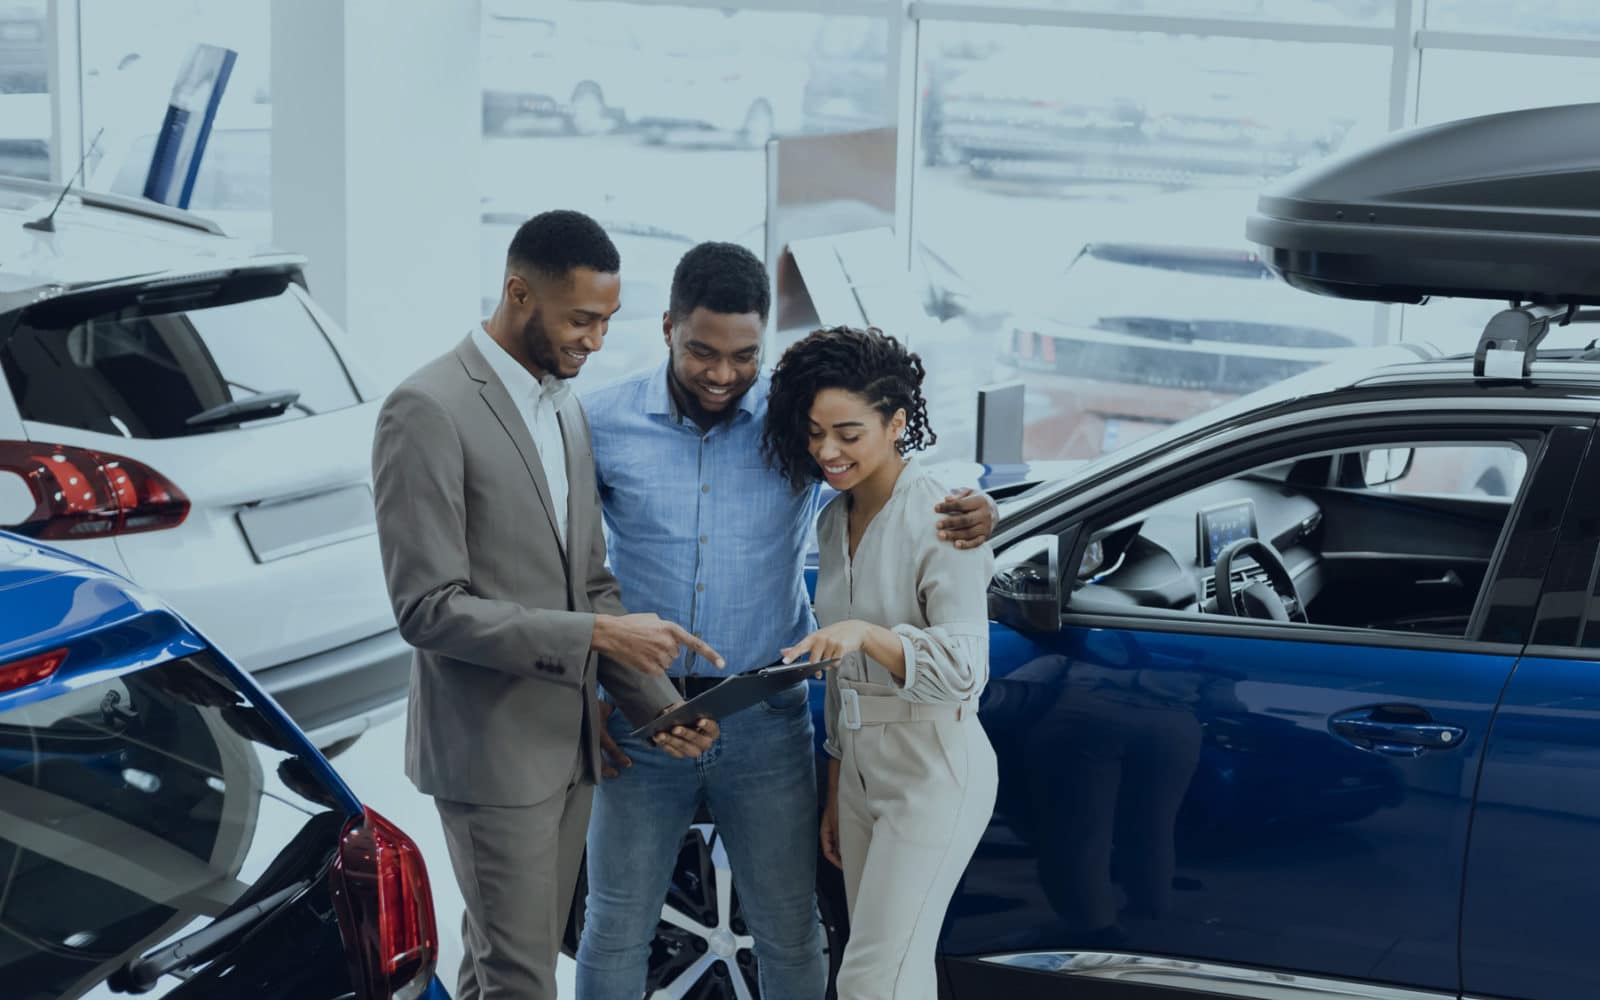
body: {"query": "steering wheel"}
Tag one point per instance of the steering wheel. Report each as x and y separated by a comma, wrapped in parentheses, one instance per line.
(1276, 599)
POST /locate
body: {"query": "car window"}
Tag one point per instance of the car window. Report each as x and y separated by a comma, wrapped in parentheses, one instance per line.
(1393, 567)
(1446, 470)
(137, 808)
(140, 374)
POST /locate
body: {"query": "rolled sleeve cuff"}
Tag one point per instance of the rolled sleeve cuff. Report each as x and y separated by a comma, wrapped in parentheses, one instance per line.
(908, 650)
(832, 749)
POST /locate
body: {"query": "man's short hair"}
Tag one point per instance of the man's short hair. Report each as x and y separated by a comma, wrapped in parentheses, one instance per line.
(554, 244)
(723, 278)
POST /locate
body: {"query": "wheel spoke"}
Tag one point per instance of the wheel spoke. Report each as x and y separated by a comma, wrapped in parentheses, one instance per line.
(741, 989)
(680, 987)
(745, 943)
(672, 915)
(724, 875)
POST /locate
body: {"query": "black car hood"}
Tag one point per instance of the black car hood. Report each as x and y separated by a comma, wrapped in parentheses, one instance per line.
(1497, 207)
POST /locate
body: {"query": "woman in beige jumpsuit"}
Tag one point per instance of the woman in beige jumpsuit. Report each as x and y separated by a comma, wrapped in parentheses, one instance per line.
(912, 776)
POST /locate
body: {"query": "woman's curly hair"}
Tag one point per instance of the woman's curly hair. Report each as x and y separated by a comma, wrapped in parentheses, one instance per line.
(869, 363)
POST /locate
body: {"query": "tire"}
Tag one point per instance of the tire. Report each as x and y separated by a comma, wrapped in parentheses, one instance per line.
(758, 127)
(587, 113)
(701, 943)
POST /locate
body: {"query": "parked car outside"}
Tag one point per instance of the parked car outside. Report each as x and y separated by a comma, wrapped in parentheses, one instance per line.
(24, 51)
(555, 62)
(709, 74)
(25, 135)
(166, 828)
(177, 407)
(1138, 336)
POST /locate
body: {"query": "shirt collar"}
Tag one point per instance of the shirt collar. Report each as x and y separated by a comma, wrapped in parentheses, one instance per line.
(519, 382)
(659, 401)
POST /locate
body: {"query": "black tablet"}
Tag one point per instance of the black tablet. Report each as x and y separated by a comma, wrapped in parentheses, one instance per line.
(734, 694)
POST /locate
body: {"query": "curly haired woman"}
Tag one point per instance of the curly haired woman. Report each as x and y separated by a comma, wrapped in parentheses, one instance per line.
(911, 783)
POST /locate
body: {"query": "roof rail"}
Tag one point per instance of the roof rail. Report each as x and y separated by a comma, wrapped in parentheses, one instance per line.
(143, 207)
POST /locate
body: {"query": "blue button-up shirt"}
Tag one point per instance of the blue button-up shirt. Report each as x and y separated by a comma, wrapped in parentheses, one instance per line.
(703, 531)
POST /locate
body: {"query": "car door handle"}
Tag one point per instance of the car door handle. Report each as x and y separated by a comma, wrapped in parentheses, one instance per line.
(1369, 729)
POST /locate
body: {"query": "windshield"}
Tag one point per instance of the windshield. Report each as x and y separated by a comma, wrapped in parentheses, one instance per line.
(137, 809)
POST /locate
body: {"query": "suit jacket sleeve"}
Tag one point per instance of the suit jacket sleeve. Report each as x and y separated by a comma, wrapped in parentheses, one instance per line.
(418, 486)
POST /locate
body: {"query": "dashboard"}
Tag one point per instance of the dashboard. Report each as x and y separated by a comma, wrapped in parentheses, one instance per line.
(1165, 557)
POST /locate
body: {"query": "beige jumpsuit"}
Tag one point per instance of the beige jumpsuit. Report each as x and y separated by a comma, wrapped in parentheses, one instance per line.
(917, 774)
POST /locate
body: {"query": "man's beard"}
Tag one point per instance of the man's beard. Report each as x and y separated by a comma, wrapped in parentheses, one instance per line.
(691, 403)
(541, 346)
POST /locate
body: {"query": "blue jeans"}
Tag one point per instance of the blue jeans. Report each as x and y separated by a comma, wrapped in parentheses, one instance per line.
(759, 780)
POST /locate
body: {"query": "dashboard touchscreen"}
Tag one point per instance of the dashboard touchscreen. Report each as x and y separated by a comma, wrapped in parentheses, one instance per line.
(1220, 526)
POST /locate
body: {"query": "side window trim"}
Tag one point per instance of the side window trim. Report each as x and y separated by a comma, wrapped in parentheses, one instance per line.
(1506, 608)
(1567, 620)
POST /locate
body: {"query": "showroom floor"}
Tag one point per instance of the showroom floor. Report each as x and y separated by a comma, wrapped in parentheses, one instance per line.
(374, 771)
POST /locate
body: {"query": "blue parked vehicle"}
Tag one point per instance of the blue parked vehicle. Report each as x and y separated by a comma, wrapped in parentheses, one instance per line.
(166, 829)
(1301, 698)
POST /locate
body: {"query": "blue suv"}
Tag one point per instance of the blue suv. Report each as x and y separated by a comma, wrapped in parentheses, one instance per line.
(1301, 698)
(166, 829)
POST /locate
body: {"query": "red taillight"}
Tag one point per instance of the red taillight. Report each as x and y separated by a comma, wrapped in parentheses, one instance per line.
(380, 889)
(78, 493)
(34, 669)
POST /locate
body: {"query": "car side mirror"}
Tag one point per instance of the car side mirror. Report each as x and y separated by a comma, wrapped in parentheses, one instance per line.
(1382, 466)
(1025, 591)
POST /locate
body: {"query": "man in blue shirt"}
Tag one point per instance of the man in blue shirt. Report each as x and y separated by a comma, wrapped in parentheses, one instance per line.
(704, 532)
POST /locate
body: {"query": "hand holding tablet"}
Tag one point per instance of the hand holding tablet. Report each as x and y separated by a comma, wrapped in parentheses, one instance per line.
(732, 695)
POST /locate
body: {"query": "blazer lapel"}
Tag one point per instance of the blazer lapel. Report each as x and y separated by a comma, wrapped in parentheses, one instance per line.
(578, 505)
(495, 396)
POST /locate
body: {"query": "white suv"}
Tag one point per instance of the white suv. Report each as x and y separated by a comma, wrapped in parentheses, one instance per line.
(177, 408)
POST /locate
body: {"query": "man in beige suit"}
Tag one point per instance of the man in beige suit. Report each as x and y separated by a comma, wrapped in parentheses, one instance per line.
(489, 523)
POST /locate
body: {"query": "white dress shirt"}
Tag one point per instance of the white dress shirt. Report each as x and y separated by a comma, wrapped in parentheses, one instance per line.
(538, 401)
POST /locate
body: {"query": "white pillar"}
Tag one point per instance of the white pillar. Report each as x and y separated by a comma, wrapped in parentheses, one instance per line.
(376, 133)
(66, 92)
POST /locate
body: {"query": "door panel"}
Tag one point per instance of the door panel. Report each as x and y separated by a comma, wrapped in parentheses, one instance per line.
(1528, 924)
(1528, 927)
(1173, 793)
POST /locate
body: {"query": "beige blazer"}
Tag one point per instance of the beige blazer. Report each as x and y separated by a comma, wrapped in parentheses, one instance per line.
(500, 613)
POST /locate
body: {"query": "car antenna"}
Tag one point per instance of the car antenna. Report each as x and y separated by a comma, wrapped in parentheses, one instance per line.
(47, 224)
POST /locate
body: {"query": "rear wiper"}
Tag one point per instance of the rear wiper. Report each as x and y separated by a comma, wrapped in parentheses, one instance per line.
(141, 974)
(258, 407)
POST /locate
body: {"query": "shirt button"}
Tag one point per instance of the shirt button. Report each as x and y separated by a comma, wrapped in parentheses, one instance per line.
(699, 587)
(705, 489)
(704, 539)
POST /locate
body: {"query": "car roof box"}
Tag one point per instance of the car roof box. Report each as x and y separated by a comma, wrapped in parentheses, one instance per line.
(1497, 207)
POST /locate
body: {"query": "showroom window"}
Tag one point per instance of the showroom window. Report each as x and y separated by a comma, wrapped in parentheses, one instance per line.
(653, 119)
(132, 55)
(1557, 18)
(24, 90)
(1092, 187)
(1340, 12)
